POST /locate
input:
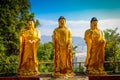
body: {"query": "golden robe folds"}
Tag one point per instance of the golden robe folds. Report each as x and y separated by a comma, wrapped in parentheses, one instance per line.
(95, 41)
(29, 39)
(62, 51)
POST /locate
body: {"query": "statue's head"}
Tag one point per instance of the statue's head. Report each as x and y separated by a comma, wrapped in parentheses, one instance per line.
(62, 21)
(30, 24)
(93, 23)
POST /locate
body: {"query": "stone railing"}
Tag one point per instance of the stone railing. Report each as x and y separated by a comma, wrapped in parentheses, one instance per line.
(77, 67)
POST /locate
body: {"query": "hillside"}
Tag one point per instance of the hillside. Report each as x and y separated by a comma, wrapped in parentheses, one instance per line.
(77, 41)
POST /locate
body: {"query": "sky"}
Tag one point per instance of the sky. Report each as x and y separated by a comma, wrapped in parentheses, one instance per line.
(78, 14)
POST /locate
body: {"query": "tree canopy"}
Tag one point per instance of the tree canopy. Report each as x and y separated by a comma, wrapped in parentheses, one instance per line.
(112, 51)
(13, 17)
(113, 44)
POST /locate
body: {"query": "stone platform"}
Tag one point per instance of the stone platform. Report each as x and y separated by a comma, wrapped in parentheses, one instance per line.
(77, 76)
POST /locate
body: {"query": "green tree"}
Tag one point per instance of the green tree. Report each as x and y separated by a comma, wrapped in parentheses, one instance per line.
(45, 54)
(112, 47)
(13, 17)
(7, 64)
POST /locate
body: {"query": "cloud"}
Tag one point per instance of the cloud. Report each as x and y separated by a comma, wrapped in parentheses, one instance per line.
(78, 27)
(48, 22)
(110, 24)
(47, 27)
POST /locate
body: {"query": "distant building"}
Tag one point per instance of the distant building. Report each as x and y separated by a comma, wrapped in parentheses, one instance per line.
(79, 57)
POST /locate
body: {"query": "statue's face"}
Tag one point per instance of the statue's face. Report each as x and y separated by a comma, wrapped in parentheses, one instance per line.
(30, 24)
(94, 24)
(62, 23)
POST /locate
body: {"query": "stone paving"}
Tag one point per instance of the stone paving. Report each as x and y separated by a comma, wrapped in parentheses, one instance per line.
(76, 77)
(66, 78)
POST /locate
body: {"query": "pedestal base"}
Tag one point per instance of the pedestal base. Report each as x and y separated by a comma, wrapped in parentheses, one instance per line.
(104, 77)
(18, 78)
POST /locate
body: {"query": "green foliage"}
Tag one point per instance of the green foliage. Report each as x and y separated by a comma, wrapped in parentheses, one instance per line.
(2, 48)
(37, 23)
(112, 47)
(113, 44)
(6, 65)
(13, 17)
(79, 68)
(74, 50)
(46, 68)
(45, 54)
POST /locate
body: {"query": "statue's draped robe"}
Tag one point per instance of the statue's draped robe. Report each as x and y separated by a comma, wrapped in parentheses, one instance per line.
(28, 64)
(95, 50)
(62, 50)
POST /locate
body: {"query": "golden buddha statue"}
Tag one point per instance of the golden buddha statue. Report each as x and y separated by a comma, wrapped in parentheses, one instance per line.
(62, 40)
(29, 40)
(95, 41)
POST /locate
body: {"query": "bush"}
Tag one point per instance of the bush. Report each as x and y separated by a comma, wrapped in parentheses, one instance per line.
(7, 63)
